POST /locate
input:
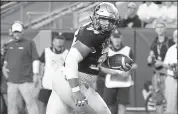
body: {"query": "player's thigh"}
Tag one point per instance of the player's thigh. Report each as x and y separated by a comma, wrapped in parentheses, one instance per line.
(56, 106)
(123, 95)
(110, 95)
(62, 88)
(96, 103)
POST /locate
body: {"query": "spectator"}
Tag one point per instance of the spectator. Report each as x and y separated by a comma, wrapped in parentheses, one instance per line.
(156, 57)
(3, 93)
(20, 70)
(148, 12)
(3, 79)
(131, 18)
(117, 91)
(53, 57)
(170, 62)
(168, 14)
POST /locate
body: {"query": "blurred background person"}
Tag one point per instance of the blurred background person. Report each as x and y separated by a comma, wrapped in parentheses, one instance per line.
(170, 63)
(3, 81)
(20, 71)
(53, 59)
(147, 95)
(155, 59)
(131, 19)
(148, 12)
(168, 14)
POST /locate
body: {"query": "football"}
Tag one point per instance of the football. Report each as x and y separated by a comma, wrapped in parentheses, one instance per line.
(120, 62)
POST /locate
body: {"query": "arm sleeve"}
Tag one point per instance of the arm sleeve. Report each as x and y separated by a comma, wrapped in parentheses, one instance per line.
(166, 59)
(131, 54)
(152, 46)
(34, 51)
(170, 42)
(6, 53)
(138, 22)
(5, 57)
(71, 63)
(42, 57)
(86, 37)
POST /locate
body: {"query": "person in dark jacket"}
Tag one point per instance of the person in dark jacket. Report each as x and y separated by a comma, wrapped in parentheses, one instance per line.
(131, 19)
(20, 71)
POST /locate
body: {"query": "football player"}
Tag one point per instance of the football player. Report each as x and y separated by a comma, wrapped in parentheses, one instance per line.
(117, 82)
(72, 90)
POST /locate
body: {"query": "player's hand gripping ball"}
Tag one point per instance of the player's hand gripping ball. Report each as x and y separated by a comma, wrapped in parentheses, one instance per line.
(120, 62)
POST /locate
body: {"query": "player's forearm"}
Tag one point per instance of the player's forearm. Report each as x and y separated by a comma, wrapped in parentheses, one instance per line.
(108, 71)
(71, 67)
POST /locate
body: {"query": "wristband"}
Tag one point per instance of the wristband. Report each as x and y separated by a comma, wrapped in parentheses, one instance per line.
(76, 89)
(36, 66)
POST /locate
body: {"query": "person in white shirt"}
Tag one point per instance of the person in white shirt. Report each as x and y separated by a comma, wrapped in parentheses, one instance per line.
(168, 14)
(148, 12)
(171, 79)
(118, 83)
(53, 57)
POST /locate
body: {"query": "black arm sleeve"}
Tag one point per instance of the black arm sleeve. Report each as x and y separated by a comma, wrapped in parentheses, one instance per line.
(42, 57)
(86, 37)
(34, 52)
(131, 54)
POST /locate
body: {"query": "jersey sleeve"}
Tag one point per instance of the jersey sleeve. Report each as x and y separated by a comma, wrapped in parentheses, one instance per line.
(131, 54)
(33, 51)
(42, 57)
(86, 37)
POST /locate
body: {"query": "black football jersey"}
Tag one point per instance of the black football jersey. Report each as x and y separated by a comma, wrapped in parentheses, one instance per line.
(94, 40)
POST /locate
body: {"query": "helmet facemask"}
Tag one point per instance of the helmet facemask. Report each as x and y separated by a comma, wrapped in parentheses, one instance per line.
(105, 17)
